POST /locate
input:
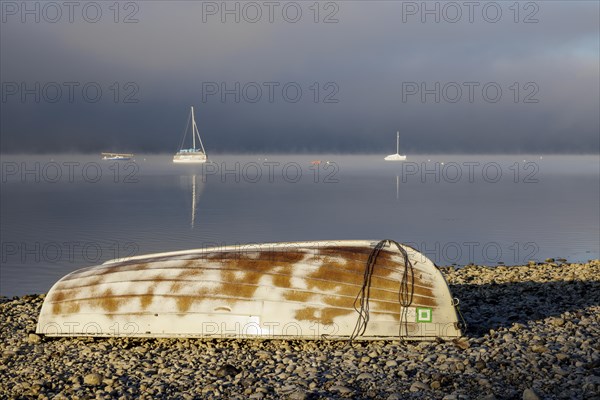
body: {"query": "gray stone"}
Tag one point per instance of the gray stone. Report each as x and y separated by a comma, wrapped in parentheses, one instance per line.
(530, 394)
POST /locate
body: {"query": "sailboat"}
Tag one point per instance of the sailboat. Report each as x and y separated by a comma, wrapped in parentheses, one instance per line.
(193, 155)
(397, 156)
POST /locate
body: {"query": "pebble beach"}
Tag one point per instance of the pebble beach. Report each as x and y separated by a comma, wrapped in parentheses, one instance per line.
(533, 333)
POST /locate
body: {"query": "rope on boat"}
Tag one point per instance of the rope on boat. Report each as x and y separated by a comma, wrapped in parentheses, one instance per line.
(405, 292)
(455, 303)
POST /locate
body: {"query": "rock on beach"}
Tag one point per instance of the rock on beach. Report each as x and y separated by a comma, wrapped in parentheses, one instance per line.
(532, 334)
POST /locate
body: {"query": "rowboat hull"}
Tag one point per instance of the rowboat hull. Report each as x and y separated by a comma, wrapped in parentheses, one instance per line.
(308, 290)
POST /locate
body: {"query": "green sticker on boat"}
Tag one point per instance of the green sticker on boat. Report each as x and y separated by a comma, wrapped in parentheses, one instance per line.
(424, 314)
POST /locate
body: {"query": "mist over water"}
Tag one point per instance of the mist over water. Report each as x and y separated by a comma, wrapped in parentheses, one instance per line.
(63, 212)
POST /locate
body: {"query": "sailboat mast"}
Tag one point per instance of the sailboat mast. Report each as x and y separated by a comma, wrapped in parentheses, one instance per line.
(398, 142)
(193, 130)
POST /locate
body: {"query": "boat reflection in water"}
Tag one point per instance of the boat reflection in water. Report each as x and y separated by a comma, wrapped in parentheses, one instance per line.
(194, 184)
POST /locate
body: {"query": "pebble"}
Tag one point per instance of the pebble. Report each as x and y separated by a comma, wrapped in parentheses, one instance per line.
(418, 386)
(341, 389)
(462, 343)
(92, 379)
(9, 353)
(533, 326)
(539, 349)
(298, 395)
(530, 394)
(227, 370)
(364, 375)
(33, 338)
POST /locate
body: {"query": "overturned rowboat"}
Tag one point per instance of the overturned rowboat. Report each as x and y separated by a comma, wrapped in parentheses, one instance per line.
(309, 290)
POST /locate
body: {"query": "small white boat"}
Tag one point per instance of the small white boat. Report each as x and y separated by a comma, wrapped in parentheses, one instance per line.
(397, 156)
(117, 156)
(311, 290)
(192, 155)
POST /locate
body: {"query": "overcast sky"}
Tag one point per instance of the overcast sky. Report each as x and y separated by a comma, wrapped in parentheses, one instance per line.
(480, 77)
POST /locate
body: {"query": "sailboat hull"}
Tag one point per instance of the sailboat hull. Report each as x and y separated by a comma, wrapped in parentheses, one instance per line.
(190, 158)
(395, 157)
(306, 290)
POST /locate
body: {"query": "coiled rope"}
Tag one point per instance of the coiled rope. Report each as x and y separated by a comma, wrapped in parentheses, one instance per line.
(405, 291)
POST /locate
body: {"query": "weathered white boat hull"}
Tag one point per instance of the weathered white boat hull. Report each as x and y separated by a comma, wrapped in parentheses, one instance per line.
(285, 290)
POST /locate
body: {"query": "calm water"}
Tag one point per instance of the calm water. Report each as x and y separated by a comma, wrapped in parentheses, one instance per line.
(60, 213)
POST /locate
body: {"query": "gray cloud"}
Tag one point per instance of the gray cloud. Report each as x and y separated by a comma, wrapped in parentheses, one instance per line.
(171, 54)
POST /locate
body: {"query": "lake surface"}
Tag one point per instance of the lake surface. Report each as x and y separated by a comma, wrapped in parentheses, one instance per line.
(60, 213)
